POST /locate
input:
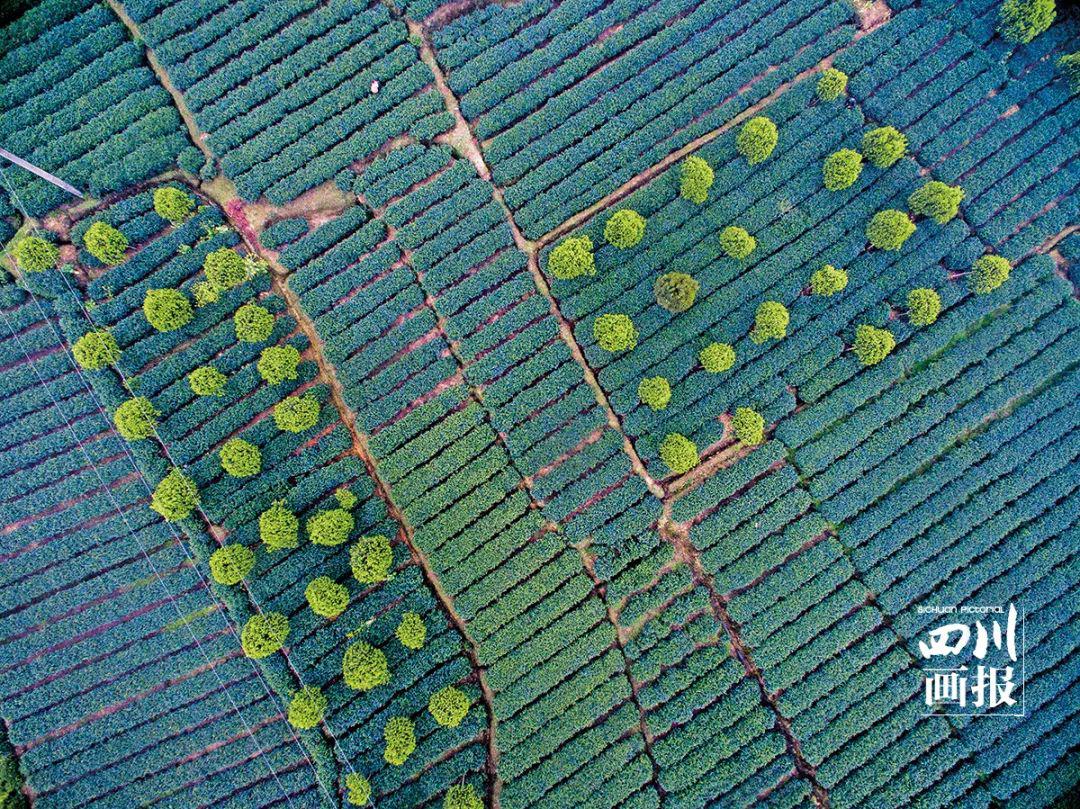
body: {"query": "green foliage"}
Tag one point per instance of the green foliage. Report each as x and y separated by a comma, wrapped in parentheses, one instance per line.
(889, 229)
(371, 559)
(359, 789)
(832, 84)
(173, 204)
(679, 453)
(330, 527)
(224, 269)
(449, 706)
(345, 498)
(411, 631)
(326, 597)
(400, 737)
(278, 364)
(841, 169)
(828, 280)
(937, 200)
(206, 380)
(624, 229)
(737, 243)
(872, 344)
(307, 708)
(756, 140)
(204, 293)
(294, 414)
(675, 291)
(748, 426)
(717, 357)
(1020, 21)
(654, 391)
(988, 273)
(240, 458)
(34, 254)
(175, 497)
(924, 306)
(615, 332)
(105, 243)
(770, 322)
(1069, 64)
(572, 257)
(136, 418)
(279, 527)
(695, 179)
(462, 796)
(364, 667)
(95, 350)
(253, 323)
(229, 564)
(264, 634)
(884, 146)
(167, 309)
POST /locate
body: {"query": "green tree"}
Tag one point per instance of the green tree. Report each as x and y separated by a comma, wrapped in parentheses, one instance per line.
(279, 527)
(717, 357)
(872, 344)
(204, 294)
(889, 229)
(828, 281)
(679, 453)
(240, 458)
(364, 667)
(748, 426)
(770, 322)
(264, 634)
(841, 169)
(988, 273)
(175, 497)
(167, 309)
(359, 789)
(831, 84)
(253, 323)
(924, 306)
(571, 258)
(96, 350)
(1020, 21)
(330, 527)
(624, 229)
(400, 737)
(675, 291)
(371, 559)
(695, 179)
(206, 380)
(1070, 68)
(307, 708)
(326, 597)
(295, 414)
(136, 418)
(756, 140)
(449, 706)
(737, 243)
(884, 146)
(654, 391)
(229, 564)
(173, 204)
(462, 796)
(224, 269)
(278, 363)
(411, 631)
(34, 254)
(615, 332)
(105, 243)
(937, 200)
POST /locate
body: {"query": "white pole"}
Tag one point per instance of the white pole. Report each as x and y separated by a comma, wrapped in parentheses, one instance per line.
(51, 178)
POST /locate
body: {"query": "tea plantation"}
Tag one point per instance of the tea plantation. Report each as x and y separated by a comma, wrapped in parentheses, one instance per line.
(554, 403)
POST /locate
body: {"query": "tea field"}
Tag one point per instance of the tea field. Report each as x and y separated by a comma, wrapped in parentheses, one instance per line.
(547, 403)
